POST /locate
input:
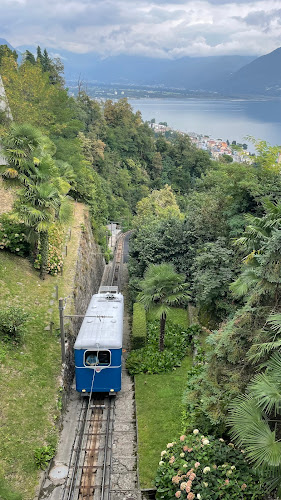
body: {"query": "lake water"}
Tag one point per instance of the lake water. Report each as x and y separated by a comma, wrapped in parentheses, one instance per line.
(218, 118)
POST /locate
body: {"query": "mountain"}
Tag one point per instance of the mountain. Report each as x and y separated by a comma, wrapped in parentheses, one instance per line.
(186, 73)
(260, 77)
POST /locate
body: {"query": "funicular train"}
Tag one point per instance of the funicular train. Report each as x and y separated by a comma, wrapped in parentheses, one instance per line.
(98, 347)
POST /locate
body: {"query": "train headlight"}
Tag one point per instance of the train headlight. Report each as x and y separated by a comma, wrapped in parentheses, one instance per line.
(111, 390)
(83, 390)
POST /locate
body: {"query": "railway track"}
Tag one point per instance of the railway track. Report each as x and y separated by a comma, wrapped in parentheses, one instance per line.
(90, 463)
(89, 469)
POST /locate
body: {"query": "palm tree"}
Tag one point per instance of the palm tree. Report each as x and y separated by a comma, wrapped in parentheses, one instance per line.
(42, 197)
(162, 287)
(255, 422)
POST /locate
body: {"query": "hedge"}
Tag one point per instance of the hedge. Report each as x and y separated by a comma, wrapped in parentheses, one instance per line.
(139, 326)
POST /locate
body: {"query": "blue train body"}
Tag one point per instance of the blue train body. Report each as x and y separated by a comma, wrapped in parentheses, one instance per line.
(98, 347)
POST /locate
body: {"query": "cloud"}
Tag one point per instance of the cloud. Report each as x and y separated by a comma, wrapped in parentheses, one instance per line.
(158, 28)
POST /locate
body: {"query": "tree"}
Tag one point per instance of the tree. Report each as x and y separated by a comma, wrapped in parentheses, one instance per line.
(29, 57)
(255, 422)
(5, 51)
(42, 197)
(162, 287)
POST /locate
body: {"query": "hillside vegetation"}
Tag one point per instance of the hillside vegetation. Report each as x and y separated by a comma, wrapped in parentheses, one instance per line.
(211, 229)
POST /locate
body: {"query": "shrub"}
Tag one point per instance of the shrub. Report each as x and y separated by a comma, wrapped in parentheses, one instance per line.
(55, 257)
(13, 237)
(43, 455)
(200, 467)
(139, 326)
(150, 360)
(12, 324)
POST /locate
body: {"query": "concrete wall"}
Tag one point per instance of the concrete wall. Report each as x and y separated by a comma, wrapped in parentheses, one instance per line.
(89, 270)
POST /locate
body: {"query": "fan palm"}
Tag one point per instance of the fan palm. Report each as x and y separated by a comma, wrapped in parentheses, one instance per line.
(162, 287)
(261, 240)
(255, 421)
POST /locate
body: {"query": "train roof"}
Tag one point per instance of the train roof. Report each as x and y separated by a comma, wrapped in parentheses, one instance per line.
(102, 327)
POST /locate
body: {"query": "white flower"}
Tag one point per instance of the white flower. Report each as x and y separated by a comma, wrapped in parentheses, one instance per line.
(206, 469)
(205, 441)
(198, 496)
(196, 431)
(185, 466)
(182, 455)
(205, 484)
(233, 467)
(231, 445)
(161, 463)
(221, 440)
(164, 452)
(169, 445)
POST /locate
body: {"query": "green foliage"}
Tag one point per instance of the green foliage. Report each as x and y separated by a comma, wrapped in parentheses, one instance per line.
(138, 326)
(149, 360)
(56, 236)
(197, 466)
(43, 455)
(212, 272)
(13, 237)
(255, 421)
(12, 324)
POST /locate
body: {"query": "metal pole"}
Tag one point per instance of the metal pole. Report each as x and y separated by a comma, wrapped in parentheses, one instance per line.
(62, 336)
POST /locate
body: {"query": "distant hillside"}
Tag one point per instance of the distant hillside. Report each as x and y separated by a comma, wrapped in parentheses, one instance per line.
(227, 75)
(261, 76)
(187, 73)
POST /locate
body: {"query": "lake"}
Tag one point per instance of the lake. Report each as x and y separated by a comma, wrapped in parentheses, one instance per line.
(219, 118)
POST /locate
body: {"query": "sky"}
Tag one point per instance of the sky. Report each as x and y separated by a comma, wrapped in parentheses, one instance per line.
(159, 28)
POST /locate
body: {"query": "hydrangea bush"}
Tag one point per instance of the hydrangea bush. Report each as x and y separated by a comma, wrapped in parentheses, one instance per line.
(205, 467)
(55, 257)
(13, 236)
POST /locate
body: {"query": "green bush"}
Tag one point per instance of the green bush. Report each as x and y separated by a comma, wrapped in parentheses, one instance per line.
(139, 326)
(13, 237)
(12, 324)
(43, 455)
(55, 257)
(150, 360)
(206, 468)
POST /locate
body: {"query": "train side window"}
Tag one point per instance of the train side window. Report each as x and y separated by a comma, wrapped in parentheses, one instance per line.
(97, 358)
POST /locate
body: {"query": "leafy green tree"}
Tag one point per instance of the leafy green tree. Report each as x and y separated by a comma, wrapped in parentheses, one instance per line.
(5, 51)
(29, 57)
(213, 269)
(162, 288)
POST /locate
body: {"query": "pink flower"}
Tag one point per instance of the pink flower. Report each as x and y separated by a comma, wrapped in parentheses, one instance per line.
(196, 465)
(178, 494)
(172, 459)
(226, 481)
(188, 486)
(243, 487)
(192, 476)
(182, 438)
(185, 448)
(190, 496)
(175, 480)
(189, 472)
(189, 449)
(183, 486)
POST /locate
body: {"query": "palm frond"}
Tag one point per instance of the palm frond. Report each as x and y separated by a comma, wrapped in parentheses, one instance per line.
(267, 391)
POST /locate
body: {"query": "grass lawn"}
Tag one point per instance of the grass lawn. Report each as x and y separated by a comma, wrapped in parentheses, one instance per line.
(29, 374)
(159, 407)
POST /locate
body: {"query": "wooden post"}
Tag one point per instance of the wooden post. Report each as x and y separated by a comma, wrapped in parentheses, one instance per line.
(62, 335)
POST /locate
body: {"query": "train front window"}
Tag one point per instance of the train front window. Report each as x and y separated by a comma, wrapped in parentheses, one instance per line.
(97, 358)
